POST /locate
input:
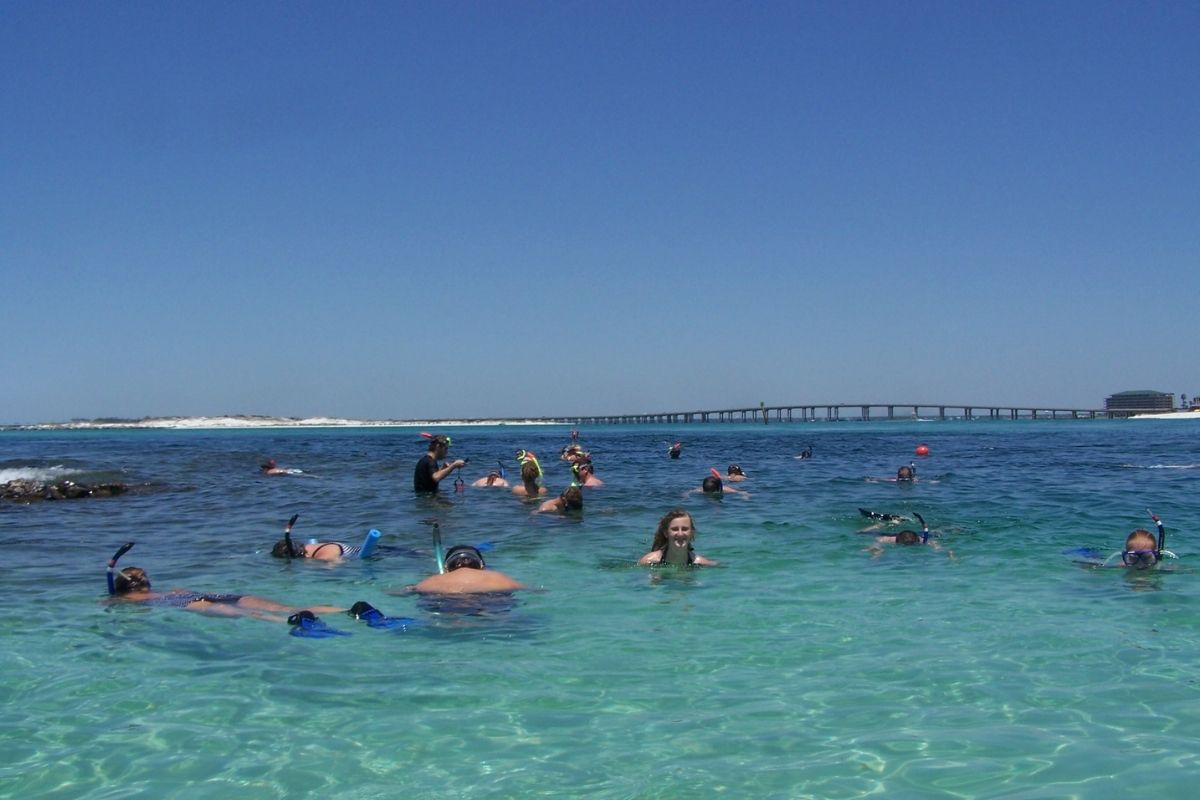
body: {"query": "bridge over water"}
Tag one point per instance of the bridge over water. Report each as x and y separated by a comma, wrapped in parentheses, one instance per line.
(844, 412)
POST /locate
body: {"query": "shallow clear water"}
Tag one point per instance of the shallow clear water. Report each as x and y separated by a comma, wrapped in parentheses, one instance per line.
(801, 667)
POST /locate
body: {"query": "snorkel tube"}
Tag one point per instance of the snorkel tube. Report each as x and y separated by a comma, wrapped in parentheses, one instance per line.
(1162, 535)
(112, 563)
(524, 456)
(287, 537)
(924, 528)
(438, 555)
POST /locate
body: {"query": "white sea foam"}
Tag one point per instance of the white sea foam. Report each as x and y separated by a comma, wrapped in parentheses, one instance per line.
(1171, 415)
(43, 474)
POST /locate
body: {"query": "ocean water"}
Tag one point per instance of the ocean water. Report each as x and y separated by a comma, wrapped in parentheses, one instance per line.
(804, 666)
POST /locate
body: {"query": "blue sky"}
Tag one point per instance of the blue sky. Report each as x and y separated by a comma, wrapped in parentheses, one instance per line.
(414, 210)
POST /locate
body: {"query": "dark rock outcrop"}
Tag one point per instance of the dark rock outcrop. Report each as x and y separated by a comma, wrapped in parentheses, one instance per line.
(27, 491)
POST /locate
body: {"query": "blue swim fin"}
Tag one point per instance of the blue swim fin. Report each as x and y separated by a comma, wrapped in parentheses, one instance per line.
(375, 618)
(308, 625)
(1085, 552)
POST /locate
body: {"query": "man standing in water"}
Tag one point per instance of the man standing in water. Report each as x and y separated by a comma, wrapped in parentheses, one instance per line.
(428, 474)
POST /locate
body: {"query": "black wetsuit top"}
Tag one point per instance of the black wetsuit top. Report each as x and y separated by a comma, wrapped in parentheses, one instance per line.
(423, 480)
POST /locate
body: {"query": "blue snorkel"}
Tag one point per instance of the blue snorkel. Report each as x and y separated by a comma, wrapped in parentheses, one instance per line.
(924, 528)
(501, 465)
(112, 563)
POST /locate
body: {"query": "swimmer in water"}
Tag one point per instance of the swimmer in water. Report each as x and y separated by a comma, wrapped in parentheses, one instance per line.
(584, 474)
(571, 499)
(673, 542)
(321, 551)
(574, 454)
(493, 478)
(1141, 551)
(906, 538)
(675, 450)
(269, 467)
(805, 453)
(132, 585)
(734, 474)
(713, 486)
(530, 473)
(466, 573)
(906, 474)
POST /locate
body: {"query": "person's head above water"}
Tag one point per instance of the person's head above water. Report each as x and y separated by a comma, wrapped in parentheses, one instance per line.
(439, 444)
(463, 556)
(286, 548)
(734, 469)
(677, 521)
(572, 498)
(908, 537)
(530, 471)
(905, 474)
(712, 485)
(1141, 549)
(492, 477)
(131, 579)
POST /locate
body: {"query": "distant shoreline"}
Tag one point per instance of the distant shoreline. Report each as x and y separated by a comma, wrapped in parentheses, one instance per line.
(258, 421)
(238, 421)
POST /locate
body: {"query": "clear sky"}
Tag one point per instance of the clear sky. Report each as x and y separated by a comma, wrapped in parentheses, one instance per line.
(413, 210)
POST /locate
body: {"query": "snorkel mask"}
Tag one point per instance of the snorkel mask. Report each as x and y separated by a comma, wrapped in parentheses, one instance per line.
(463, 556)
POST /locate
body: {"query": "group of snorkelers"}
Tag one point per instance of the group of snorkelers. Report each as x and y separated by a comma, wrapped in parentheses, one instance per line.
(463, 570)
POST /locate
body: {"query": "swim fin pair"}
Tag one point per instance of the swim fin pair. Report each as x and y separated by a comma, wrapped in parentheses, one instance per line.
(308, 625)
(375, 618)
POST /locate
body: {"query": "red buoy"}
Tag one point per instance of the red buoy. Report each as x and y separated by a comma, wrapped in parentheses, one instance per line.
(922, 450)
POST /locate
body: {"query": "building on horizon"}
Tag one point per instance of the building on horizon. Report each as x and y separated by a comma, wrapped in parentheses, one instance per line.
(1140, 400)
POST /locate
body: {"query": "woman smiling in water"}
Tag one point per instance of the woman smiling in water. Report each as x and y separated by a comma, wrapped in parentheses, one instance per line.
(673, 542)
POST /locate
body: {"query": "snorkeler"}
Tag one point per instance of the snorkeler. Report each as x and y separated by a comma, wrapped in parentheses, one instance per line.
(713, 486)
(673, 542)
(585, 474)
(571, 499)
(466, 573)
(531, 473)
(428, 474)
(132, 585)
(493, 479)
(735, 474)
(907, 474)
(674, 450)
(322, 551)
(907, 538)
(805, 453)
(1141, 551)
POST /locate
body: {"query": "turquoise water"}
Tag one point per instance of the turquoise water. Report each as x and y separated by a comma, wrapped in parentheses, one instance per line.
(801, 667)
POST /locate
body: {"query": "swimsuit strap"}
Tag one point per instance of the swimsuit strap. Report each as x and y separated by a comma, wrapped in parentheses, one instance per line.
(341, 548)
